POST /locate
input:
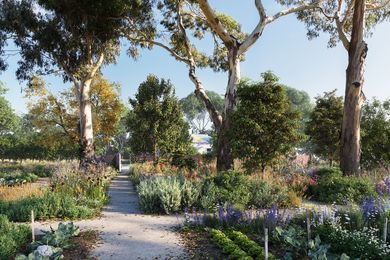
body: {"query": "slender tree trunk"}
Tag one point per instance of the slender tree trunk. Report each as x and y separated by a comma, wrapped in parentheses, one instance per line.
(354, 98)
(224, 151)
(87, 149)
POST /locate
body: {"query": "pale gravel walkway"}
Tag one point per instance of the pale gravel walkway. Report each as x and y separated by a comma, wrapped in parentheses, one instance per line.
(126, 233)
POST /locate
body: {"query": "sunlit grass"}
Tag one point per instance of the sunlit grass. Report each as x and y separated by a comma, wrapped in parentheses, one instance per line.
(19, 192)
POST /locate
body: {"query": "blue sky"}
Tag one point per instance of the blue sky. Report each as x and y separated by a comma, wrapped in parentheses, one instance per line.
(283, 48)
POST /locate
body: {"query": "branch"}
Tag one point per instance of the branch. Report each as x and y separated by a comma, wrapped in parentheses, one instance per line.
(97, 65)
(340, 24)
(200, 92)
(264, 21)
(215, 24)
(293, 10)
(342, 35)
(374, 7)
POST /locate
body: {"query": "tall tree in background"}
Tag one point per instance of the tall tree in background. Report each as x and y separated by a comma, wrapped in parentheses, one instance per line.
(324, 126)
(182, 19)
(376, 135)
(71, 37)
(196, 113)
(57, 116)
(348, 21)
(156, 121)
(265, 125)
(8, 118)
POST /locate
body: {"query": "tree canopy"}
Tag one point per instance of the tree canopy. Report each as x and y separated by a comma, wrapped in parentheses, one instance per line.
(324, 126)
(264, 126)
(156, 121)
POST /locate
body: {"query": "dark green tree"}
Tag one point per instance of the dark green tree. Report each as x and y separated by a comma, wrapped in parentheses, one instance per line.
(74, 38)
(300, 102)
(196, 113)
(324, 126)
(265, 126)
(8, 118)
(156, 122)
(375, 126)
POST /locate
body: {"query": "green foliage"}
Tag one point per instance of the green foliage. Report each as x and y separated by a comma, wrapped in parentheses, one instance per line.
(190, 193)
(228, 246)
(264, 126)
(156, 122)
(375, 134)
(264, 195)
(12, 237)
(322, 19)
(248, 245)
(332, 186)
(51, 246)
(50, 205)
(160, 194)
(324, 126)
(46, 37)
(362, 244)
(196, 113)
(8, 179)
(232, 187)
(8, 119)
(209, 196)
(59, 237)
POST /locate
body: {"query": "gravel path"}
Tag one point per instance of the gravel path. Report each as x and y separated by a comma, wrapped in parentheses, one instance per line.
(128, 234)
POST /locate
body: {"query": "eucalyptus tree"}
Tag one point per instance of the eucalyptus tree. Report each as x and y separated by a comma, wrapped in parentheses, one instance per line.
(184, 21)
(73, 38)
(348, 22)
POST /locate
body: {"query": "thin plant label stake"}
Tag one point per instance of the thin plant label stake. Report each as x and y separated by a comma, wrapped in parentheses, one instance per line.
(32, 225)
(266, 243)
(308, 225)
(385, 231)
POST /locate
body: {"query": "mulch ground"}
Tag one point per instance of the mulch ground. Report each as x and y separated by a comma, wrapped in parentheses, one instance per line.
(82, 245)
(198, 245)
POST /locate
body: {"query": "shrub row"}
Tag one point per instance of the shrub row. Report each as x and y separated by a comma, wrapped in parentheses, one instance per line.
(248, 245)
(332, 186)
(167, 194)
(228, 246)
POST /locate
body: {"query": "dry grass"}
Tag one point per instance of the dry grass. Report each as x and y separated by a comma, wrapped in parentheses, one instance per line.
(19, 192)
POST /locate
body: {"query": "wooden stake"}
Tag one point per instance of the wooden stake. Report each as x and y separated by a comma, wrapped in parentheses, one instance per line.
(385, 231)
(266, 243)
(308, 225)
(32, 225)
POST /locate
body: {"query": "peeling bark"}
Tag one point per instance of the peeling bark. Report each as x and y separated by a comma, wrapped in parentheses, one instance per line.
(354, 97)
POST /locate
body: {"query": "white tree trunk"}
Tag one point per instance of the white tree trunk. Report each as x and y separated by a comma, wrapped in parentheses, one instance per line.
(87, 153)
(224, 151)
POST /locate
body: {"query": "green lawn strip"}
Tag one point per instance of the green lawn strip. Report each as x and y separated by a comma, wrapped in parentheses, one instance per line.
(228, 246)
(248, 245)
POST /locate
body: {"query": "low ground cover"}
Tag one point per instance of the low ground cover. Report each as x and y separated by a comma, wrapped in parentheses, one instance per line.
(13, 174)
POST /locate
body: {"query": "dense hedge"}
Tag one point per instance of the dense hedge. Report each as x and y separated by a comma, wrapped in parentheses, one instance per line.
(332, 186)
